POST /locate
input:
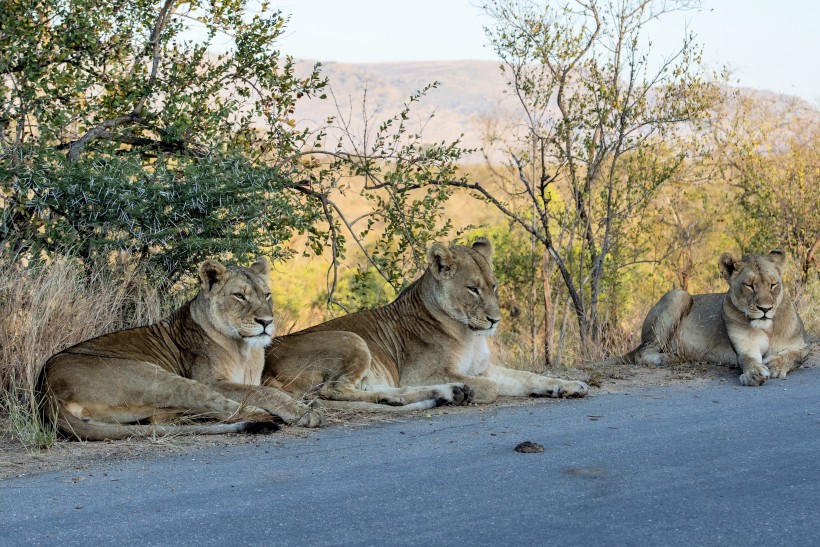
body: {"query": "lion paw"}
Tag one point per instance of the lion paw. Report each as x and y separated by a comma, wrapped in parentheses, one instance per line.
(779, 372)
(755, 375)
(575, 389)
(778, 367)
(455, 394)
(462, 394)
(561, 389)
(309, 417)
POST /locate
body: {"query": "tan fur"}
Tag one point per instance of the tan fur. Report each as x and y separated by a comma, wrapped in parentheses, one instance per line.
(753, 325)
(429, 346)
(205, 361)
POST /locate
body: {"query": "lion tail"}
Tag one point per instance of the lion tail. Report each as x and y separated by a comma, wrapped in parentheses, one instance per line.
(98, 431)
(625, 359)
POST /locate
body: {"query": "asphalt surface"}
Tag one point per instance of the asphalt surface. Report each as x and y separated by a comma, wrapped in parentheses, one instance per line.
(721, 464)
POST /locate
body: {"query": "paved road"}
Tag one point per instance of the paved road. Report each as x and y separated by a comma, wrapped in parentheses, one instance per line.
(721, 464)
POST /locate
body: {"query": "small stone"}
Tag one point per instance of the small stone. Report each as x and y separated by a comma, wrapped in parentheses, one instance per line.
(528, 447)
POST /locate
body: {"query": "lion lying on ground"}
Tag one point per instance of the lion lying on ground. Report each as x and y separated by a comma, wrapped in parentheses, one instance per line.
(427, 347)
(205, 361)
(753, 325)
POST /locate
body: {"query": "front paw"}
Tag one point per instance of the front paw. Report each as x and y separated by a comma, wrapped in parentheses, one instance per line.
(575, 389)
(306, 416)
(455, 394)
(563, 389)
(754, 375)
(778, 367)
(462, 394)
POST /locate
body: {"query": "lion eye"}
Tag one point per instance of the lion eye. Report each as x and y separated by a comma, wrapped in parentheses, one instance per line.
(239, 296)
(267, 296)
(774, 285)
(473, 290)
(495, 289)
(748, 285)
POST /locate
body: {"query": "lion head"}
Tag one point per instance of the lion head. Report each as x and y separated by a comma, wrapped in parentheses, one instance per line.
(238, 300)
(467, 290)
(755, 285)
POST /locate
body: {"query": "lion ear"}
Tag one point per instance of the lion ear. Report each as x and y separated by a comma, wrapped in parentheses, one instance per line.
(210, 273)
(441, 261)
(483, 246)
(778, 257)
(261, 266)
(728, 265)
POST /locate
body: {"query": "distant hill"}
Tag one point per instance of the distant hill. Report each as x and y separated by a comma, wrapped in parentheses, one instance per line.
(468, 92)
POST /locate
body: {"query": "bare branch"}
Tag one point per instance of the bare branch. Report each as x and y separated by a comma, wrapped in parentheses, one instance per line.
(162, 20)
(76, 147)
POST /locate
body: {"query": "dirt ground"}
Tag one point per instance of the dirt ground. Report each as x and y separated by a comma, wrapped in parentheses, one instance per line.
(16, 461)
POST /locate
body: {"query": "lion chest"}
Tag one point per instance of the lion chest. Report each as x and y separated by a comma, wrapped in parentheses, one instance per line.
(249, 375)
(243, 367)
(752, 341)
(475, 357)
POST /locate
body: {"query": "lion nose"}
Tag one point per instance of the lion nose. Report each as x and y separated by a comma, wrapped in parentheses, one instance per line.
(263, 322)
(764, 309)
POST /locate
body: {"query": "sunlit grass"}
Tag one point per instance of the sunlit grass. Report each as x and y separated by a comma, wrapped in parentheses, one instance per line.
(48, 307)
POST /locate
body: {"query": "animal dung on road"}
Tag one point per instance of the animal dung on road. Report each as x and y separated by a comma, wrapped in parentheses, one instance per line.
(529, 447)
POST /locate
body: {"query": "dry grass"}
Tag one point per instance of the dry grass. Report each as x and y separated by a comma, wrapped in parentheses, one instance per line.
(46, 308)
(807, 302)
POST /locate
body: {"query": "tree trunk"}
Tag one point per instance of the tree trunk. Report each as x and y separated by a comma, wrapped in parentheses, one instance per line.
(549, 311)
(562, 335)
(811, 258)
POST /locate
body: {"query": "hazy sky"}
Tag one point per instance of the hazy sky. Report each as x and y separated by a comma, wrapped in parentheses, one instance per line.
(767, 44)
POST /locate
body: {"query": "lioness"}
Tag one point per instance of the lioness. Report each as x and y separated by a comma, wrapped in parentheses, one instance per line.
(205, 360)
(427, 347)
(753, 325)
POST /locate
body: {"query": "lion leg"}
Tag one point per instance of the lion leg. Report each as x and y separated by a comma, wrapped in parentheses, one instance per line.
(498, 381)
(328, 364)
(451, 393)
(344, 385)
(349, 368)
(783, 362)
(518, 383)
(480, 389)
(91, 395)
(660, 327)
(124, 391)
(755, 373)
(338, 366)
(344, 390)
(275, 401)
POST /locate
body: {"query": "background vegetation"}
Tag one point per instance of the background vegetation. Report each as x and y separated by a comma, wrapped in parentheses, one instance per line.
(130, 151)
